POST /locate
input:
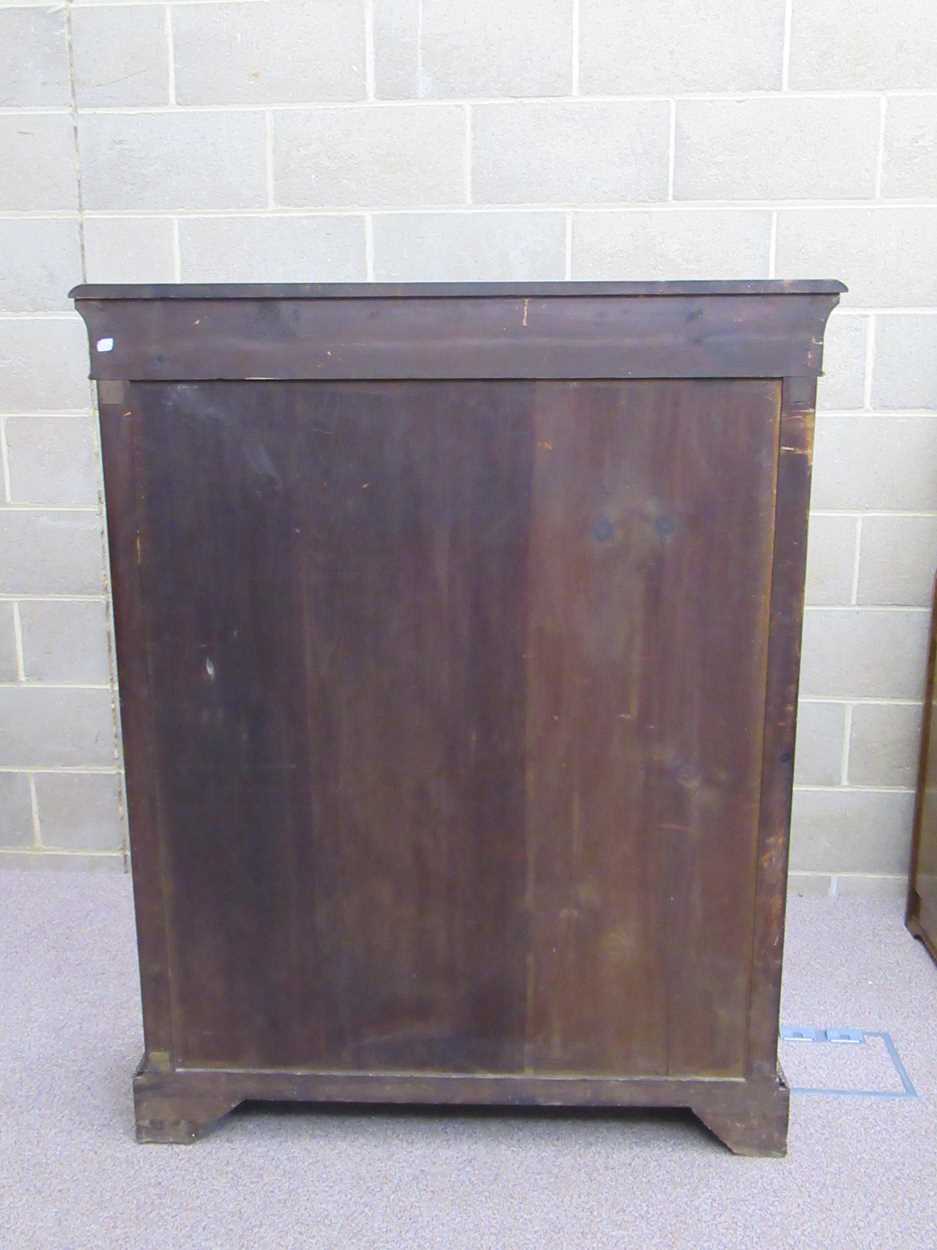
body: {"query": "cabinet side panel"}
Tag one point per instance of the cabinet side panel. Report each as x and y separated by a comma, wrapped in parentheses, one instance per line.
(787, 600)
(922, 885)
(126, 512)
(651, 534)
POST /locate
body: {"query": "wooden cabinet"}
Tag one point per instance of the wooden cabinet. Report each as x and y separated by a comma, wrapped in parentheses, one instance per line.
(922, 886)
(458, 633)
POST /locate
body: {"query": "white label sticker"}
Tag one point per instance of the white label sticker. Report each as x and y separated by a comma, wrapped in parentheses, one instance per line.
(105, 345)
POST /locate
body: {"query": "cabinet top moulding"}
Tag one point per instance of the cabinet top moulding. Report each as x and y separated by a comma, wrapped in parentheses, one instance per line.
(541, 331)
(444, 290)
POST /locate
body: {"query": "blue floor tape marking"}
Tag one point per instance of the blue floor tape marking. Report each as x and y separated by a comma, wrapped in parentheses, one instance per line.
(802, 1033)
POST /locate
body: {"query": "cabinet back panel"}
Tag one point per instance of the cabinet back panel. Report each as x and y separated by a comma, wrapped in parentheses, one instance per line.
(459, 730)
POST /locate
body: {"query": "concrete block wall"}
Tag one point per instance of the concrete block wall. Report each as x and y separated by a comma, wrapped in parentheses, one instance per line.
(333, 140)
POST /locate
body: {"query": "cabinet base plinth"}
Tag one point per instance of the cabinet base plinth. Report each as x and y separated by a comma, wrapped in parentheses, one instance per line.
(924, 932)
(752, 1122)
(172, 1111)
(176, 1105)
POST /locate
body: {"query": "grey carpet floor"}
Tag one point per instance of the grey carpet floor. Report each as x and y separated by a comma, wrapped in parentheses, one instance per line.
(861, 1173)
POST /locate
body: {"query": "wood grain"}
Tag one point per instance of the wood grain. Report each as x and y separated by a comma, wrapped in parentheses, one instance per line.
(473, 734)
(458, 685)
(450, 336)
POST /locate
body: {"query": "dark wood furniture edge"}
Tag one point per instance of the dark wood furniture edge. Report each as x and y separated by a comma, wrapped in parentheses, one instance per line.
(917, 930)
(753, 1121)
(448, 290)
(178, 1105)
(913, 902)
(522, 333)
(126, 531)
(782, 678)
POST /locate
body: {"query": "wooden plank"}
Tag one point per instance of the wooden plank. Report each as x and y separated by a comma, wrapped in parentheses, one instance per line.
(646, 648)
(795, 456)
(437, 338)
(342, 721)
